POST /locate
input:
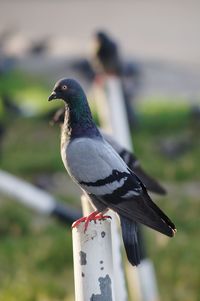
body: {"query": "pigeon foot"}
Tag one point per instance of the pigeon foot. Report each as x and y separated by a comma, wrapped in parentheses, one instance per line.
(92, 217)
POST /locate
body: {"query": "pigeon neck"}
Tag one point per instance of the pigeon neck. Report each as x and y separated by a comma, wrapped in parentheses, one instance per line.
(78, 119)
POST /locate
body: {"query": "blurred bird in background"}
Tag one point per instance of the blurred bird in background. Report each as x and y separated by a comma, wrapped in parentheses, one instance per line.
(108, 61)
(39, 47)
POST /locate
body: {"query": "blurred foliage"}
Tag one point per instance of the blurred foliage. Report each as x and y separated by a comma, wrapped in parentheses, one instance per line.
(36, 251)
(13, 223)
(170, 123)
(35, 256)
(27, 90)
(33, 134)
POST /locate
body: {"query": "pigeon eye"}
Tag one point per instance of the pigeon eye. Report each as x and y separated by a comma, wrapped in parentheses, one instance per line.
(64, 87)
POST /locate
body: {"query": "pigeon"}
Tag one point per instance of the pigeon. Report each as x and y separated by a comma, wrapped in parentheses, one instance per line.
(108, 57)
(108, 61)
(39, 47)
(102, 174)
(107, 54)
(129, 158)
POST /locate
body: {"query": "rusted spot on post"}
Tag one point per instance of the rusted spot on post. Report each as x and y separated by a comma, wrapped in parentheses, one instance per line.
(83, 260)
(105, 288)
(103, 233)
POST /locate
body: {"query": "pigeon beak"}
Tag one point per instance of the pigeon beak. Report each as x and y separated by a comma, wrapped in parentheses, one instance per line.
(52, 96)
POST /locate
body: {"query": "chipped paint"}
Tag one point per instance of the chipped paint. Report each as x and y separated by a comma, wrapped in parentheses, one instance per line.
(83, 260)
(87, 237)
(103, 234)
(91, 282)
(105, 289)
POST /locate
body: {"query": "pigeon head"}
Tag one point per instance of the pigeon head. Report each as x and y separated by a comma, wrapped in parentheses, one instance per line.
(101, 37)
(78, 116)
(68, 90)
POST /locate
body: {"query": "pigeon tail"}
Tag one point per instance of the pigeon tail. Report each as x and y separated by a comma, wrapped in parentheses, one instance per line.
(143, 210)
(130, 239)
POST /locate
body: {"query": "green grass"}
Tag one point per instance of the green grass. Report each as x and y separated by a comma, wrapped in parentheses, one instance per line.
(36, 252)
(32, 138)
(35, 256)
(176, 259)
(33, 96)
(160, 122)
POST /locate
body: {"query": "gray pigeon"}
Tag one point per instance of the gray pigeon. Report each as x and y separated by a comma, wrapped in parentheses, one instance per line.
(102, 174)
(129, 158)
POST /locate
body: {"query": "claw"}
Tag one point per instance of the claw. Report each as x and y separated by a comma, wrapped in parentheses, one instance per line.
(92, 217)
(102, 216)
(78, 222)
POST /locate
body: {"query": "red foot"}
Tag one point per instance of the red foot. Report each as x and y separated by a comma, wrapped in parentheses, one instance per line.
(102, 216)
(92, 217)
(78, 222)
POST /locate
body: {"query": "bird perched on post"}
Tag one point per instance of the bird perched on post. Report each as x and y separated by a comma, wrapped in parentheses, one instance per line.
(129, 158)
(108, 61)
(107, 54)
(102, 174)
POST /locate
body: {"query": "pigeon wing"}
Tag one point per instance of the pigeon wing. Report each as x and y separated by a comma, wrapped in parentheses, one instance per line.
(95, 166)
(100, 171)
(139, 207)
(133, 163)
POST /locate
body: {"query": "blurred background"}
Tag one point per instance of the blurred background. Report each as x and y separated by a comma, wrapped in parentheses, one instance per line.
(159, 48)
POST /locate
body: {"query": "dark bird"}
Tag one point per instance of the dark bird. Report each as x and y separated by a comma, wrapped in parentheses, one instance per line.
(108, 57)
(108, 61)
(101, 173)
(39, 47)
(129, 158)
(107, 54)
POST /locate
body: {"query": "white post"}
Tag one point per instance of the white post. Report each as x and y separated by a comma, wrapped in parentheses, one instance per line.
(35, 198)
(120, 292)
(117, 112)
(145, 288)
(26, 193)
(93, 267)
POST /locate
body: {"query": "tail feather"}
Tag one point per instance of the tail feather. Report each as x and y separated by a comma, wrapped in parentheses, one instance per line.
(146, 212)
(130, 239)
